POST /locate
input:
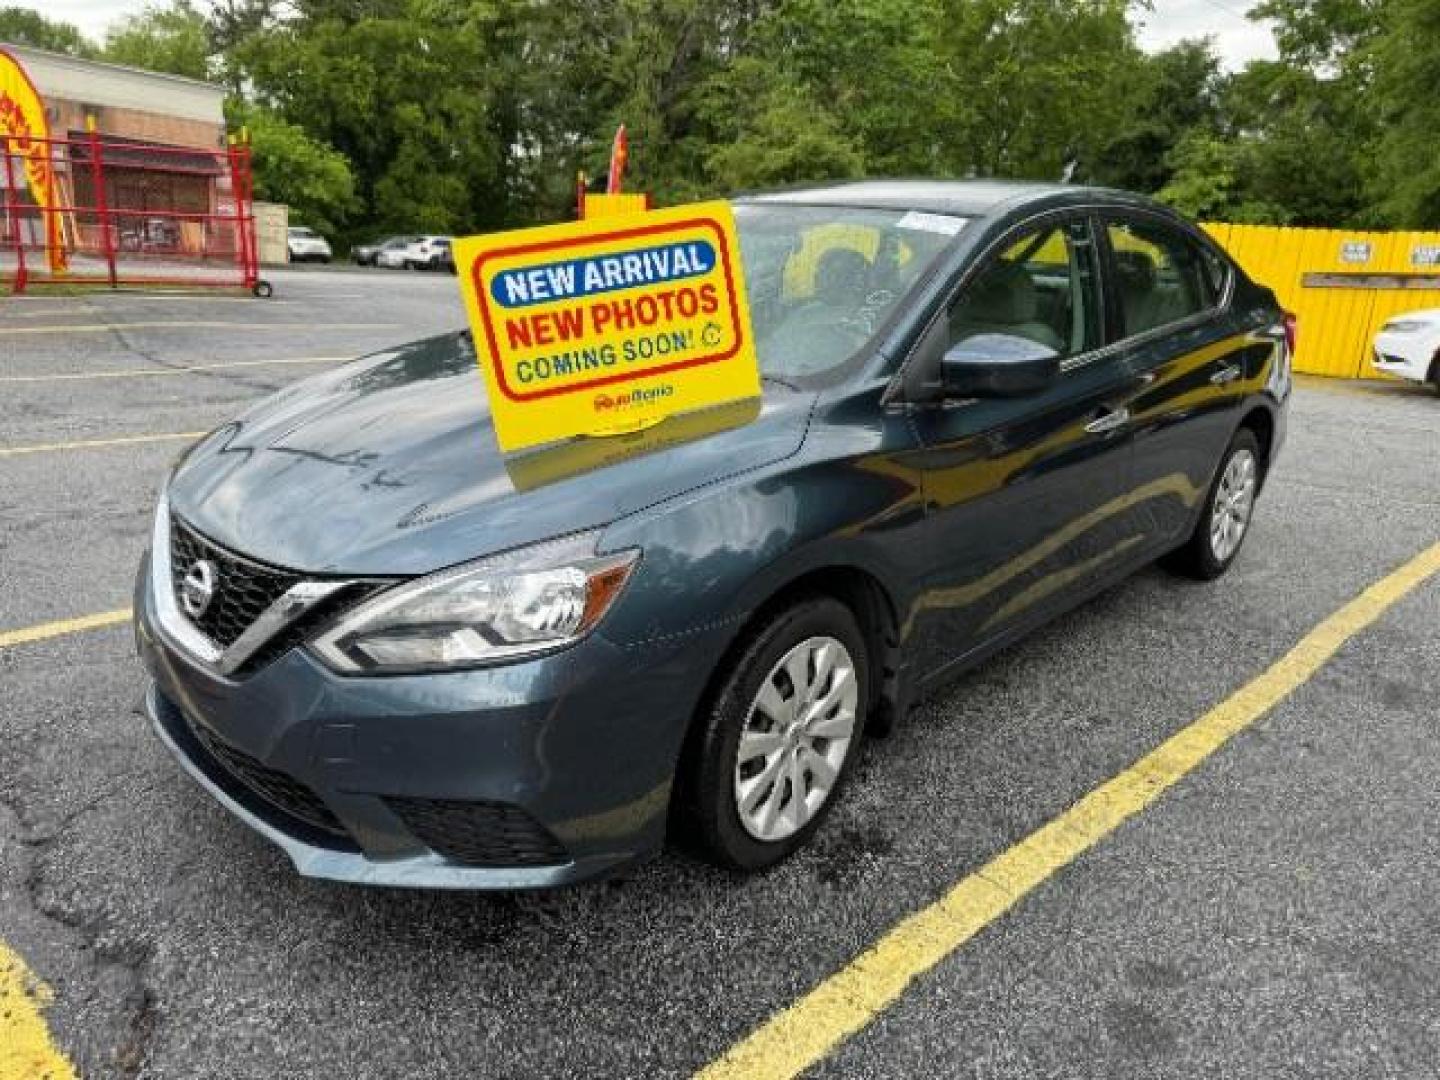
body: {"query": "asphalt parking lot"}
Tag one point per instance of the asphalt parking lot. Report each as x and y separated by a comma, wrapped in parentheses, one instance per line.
(1271, 915)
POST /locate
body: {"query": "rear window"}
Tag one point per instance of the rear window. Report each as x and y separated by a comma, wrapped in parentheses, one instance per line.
(1163, 276)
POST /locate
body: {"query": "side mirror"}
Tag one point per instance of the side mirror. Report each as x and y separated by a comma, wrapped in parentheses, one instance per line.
(997, 365)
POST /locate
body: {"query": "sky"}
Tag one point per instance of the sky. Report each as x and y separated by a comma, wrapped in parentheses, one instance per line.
(1236, 38)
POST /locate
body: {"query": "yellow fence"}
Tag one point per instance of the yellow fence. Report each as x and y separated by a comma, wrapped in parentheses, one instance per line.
(1341, 286)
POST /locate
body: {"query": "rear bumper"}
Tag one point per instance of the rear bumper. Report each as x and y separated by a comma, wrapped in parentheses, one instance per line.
(529, 775)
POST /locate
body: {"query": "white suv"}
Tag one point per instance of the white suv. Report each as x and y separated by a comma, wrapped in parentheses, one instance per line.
(306, 245)
(427, 253)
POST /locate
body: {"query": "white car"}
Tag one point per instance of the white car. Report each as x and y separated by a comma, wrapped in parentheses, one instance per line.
(423, 253)
(306, 245)
(1409, 346)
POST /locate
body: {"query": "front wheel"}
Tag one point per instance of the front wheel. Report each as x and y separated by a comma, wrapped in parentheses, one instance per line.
(778, 740)
(1225, 521)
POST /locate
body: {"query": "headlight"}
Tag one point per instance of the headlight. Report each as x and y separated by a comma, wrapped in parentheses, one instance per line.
(1403, 326)
(532, 600)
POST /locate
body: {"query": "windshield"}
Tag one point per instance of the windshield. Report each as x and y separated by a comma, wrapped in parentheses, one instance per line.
(822, 279)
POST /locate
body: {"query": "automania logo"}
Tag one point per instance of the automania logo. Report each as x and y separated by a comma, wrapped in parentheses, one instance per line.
(632, 398)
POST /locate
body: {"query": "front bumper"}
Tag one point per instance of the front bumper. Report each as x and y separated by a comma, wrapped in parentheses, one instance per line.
(1403, 355)
(527, 775)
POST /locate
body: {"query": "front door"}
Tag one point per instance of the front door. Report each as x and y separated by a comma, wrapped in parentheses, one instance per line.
(1027, 497)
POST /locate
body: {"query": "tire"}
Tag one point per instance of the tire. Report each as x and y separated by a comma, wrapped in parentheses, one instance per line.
(814, 635)
(1214, 545)
(1433, 377)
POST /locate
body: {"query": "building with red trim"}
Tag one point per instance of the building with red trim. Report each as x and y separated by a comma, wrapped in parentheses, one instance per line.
(164, 140)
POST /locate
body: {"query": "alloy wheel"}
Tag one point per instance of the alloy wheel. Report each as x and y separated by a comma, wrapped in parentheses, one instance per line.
(1234, 500)
(796, 736)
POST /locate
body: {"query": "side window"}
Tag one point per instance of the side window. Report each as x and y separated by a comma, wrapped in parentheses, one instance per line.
(1162, 276)
(1042, 287)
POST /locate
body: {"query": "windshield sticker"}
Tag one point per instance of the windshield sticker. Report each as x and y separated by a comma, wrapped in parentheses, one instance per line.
(943, 224)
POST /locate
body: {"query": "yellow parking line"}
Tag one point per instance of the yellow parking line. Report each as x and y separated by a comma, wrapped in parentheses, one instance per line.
(60, 627)
(26, 1050)
(840, 1006)
(137, 373)
(199, 324)
(93, 444)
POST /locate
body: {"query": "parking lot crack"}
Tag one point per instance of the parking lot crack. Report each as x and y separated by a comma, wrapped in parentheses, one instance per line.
(36, 838)
(88, 940)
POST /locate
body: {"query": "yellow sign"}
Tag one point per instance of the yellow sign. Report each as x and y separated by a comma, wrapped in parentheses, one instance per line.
(598, 206)
(24, 134)
(611, 325)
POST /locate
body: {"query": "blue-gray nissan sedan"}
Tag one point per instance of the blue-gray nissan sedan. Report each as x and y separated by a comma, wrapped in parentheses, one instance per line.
(409, 660)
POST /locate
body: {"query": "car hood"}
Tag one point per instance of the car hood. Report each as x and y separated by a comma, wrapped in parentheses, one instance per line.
(1425, 315)
(389, 466)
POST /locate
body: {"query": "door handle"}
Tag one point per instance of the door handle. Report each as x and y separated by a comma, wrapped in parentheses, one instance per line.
(1108, 421)
(1227, 374)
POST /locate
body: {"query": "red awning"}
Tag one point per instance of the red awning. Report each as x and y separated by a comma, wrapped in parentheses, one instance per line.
(121, 153)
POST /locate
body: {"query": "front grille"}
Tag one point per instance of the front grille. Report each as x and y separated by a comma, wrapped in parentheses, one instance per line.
(478, 833)
(280, 790)
(307, 625)
(243, 588)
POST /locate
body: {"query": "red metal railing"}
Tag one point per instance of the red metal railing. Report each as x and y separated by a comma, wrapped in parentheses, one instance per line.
(126, 212)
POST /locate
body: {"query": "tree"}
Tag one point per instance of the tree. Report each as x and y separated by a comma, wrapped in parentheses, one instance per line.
(172, 39)
(1404, 169)
(21, 26)
(1039, 85)
(1211, 181)
(1321, 35)
(292, 168)
(458, 115)
(1178, 96)
(404, 90)
(782, 135)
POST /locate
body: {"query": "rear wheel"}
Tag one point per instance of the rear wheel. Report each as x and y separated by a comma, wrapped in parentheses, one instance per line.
(1434, 376)
(777, 742)
(1225, 520)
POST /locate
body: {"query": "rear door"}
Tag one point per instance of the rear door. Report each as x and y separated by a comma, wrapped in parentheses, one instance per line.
(1169, 319)
(1025, 497)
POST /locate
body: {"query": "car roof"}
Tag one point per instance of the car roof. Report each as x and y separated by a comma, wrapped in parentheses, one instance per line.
(964, 198)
